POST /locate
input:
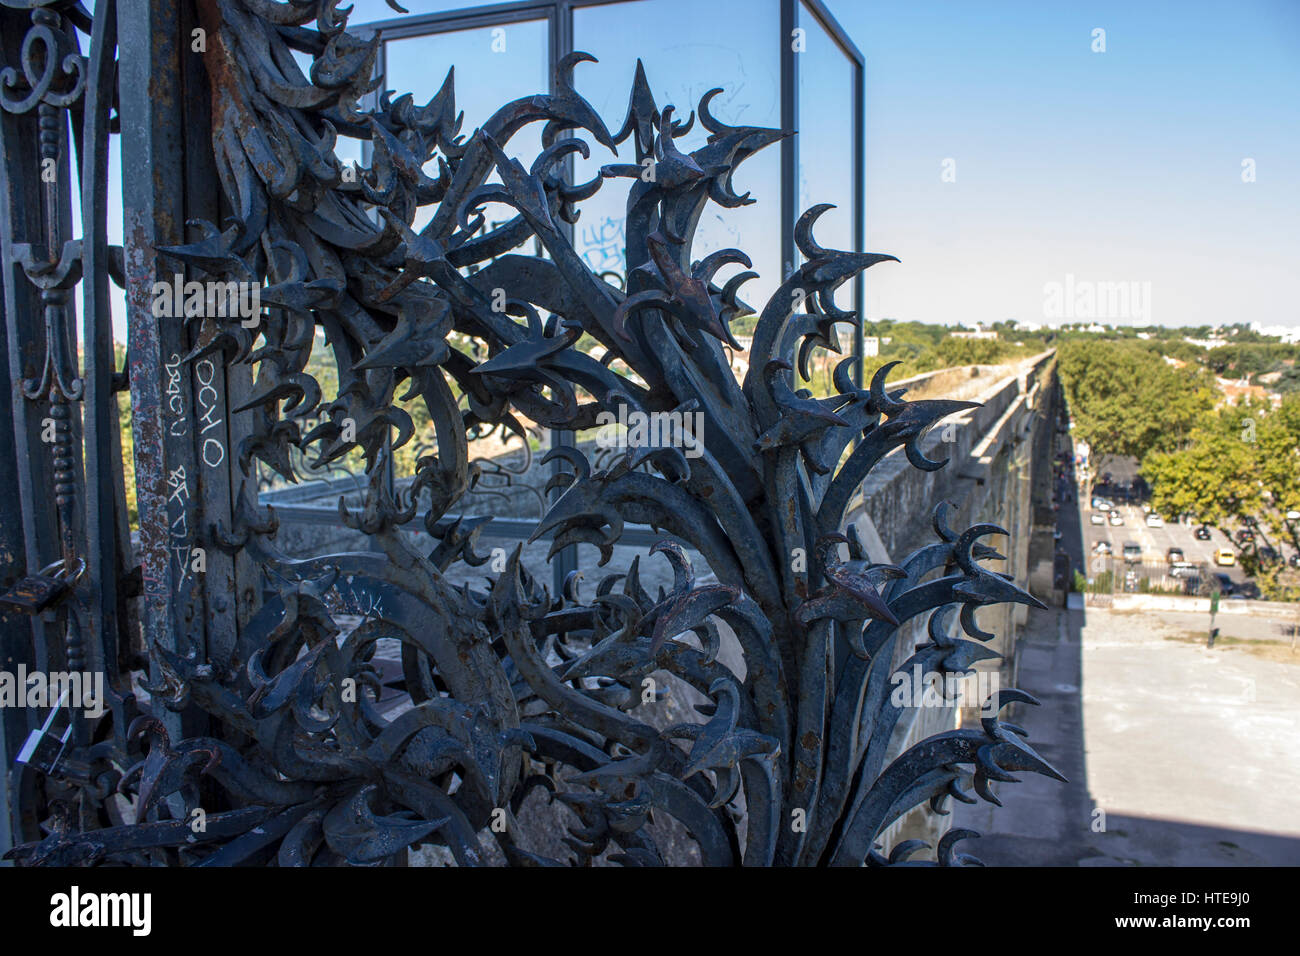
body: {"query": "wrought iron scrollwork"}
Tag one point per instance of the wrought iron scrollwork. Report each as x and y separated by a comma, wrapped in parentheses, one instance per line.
(513, 690)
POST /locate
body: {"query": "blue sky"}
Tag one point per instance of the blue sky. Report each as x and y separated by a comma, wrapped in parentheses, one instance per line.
(1115, 166)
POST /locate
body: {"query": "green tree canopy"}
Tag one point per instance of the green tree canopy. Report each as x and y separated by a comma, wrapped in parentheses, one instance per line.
(1126, 400)
(1278, 438)
(1242, 462)
(1214, 479)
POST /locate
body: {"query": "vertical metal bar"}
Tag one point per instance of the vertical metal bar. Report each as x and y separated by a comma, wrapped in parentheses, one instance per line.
(15, 630)
(102, 460)
(153, 138)
(561, 45)
(859, 209)
(27, 525)
(216, 436)
(789, 145)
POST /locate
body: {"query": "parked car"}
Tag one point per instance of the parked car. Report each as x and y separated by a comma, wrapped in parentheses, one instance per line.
(1225, 583)
(1132, 552)
(1294, 560)
(1184, 569)
(1202, 533)
(1115, 519)
(1174, 555)
(1155, 521)
(1102, 547)
(1225, 557)
(1102, 504)
(1244, 535)
(1096, 518)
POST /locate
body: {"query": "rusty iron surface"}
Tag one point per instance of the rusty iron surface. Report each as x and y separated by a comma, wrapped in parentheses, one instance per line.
(258, 712)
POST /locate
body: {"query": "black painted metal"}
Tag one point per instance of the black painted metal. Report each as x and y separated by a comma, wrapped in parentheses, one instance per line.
(264, 729)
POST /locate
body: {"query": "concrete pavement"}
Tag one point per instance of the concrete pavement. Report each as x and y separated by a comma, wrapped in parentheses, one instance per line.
(1177, 755)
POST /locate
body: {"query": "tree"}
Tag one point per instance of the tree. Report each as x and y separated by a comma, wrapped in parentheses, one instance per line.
(1243, 462)
(127, 439)
(1278, 434)
(1290, 380)
(972, 351)
(1278, 583)
(1126, 400)
(1214, 479)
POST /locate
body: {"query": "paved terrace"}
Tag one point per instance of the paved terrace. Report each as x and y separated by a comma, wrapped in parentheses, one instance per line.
(1177, 755)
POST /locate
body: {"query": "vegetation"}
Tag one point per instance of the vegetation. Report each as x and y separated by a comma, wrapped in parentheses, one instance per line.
(1103, 583)
(1154, 399)
(1248, 359)
(927, 348)
(1242, 463)
(1126, 400)
(128, 441)
(1278, 583)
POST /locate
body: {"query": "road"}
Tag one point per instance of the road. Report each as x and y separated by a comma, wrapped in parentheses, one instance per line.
(1154, 542)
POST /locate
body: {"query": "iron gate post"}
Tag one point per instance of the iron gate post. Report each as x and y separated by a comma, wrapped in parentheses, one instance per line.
(192, 599)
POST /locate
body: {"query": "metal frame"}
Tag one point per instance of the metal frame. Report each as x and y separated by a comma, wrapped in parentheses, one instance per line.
(62, 520)
(271, 711)
(559, 16)
(841, 38)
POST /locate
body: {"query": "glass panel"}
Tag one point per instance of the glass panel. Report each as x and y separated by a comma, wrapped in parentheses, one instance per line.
(721, 49)
(113, 222)
(825, 163)
(826, 134)
(494, 65)
(368, 11)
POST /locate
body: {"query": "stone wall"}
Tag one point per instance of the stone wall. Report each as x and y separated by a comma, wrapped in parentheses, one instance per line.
(996, 461)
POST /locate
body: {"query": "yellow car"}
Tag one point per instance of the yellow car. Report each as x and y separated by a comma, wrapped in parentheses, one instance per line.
(1225, 557)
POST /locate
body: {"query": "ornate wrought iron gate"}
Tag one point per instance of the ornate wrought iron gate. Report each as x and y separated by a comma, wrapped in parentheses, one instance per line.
(247, 715)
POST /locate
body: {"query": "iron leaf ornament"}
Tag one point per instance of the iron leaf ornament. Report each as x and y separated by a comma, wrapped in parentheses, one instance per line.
(515, 692)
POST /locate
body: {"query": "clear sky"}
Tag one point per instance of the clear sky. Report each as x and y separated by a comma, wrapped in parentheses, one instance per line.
(1064, 165)
(1117, 166)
